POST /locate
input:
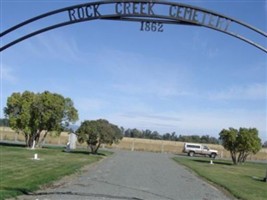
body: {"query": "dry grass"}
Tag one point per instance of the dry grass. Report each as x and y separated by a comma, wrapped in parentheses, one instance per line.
(174, 147)
(10, 135)
(136, 144)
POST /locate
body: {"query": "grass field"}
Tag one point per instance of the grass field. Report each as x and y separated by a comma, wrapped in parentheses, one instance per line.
(20, 174)
(243, 181)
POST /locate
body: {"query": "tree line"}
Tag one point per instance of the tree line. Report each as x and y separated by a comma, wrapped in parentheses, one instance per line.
(147, 134)
(154, 135)
(31, 113)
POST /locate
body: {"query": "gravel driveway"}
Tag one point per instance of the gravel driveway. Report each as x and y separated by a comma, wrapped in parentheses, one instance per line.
(133, 176)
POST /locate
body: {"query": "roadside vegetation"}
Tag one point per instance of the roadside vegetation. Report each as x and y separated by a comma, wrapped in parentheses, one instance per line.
(21, 174)
(97, 132)
(243, 181)
(241, 143)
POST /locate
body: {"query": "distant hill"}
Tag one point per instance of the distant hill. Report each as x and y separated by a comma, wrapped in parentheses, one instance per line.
(74, 127)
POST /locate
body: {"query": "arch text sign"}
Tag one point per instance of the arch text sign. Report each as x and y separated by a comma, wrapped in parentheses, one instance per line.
(152, 16)
(180, 13)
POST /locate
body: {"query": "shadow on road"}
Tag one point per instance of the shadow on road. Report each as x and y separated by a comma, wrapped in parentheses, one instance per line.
(86, 152)
(27, 192)
(85, 195)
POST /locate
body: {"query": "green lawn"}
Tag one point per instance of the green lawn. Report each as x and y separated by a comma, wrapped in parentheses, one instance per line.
(20, 174)
(243, 181)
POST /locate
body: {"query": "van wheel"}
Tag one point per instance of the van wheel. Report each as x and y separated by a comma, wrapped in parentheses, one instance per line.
(213, 155)
(191, 153)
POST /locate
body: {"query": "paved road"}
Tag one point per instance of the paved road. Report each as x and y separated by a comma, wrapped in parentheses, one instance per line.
(133, 176)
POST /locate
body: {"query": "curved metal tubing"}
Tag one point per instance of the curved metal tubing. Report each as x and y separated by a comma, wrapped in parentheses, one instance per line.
(131, 17)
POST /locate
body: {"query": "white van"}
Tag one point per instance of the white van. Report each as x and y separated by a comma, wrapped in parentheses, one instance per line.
(191, 149)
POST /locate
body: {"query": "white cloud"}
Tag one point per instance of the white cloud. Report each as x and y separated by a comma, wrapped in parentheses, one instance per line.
(203, 46)
(138, 74)
(56, 46)
(191, 122)
(8, 74)
(153, 121)
(90, 104)
(156, 87)
(255, 91)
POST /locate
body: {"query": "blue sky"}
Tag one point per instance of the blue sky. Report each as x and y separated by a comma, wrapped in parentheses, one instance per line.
(191, 80)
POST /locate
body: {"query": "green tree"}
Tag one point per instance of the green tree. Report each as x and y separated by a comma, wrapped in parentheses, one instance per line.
(4, 122)
(31, 114)
(240, 143)
(147, 133)
(97, 132)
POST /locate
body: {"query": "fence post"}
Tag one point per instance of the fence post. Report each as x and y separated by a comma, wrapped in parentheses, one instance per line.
(133, 144)
(1, 133)
(16, 137)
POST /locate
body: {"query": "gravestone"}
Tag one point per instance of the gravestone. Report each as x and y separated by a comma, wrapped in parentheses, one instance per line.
(72, 141)
(67, 147)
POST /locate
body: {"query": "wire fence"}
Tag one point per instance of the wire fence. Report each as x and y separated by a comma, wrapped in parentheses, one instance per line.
(132, 144)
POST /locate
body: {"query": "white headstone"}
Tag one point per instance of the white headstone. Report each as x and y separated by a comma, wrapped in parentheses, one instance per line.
(72, 140)
(68, 147)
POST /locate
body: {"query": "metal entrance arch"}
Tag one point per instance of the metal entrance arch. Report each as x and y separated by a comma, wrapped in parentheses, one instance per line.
(152, 15)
